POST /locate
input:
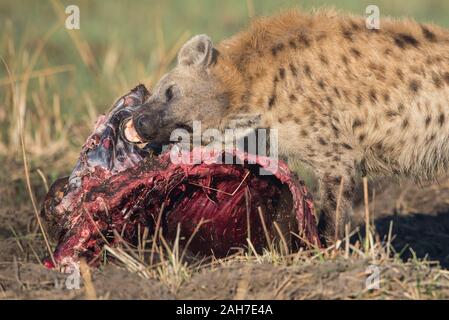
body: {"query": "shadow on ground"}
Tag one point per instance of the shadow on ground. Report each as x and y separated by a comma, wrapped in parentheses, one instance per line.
(419, 214)
(422, 235)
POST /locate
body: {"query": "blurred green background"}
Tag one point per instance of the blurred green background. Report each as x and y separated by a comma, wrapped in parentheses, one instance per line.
(59, 79)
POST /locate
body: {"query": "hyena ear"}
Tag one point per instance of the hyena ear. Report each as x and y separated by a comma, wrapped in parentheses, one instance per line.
(198, 51)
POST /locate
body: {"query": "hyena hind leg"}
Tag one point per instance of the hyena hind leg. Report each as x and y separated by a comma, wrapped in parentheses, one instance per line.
(336, 197)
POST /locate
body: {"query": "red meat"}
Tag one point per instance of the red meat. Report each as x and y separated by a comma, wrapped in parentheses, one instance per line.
(118, 186)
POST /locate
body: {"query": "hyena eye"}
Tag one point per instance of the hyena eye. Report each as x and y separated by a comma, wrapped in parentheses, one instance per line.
(169, 93)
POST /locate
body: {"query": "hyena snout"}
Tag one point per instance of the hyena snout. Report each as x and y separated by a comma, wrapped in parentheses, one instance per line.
(147, 126)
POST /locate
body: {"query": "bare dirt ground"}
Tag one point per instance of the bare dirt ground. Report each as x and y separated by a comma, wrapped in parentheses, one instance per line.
(416, 268)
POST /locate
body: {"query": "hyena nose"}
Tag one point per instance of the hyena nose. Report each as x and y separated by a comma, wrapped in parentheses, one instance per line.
(146, 127)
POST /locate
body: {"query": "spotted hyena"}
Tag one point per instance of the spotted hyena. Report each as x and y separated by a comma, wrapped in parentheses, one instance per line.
(342, 97)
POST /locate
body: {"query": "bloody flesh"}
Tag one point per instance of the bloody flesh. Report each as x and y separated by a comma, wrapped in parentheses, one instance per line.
(117, 185)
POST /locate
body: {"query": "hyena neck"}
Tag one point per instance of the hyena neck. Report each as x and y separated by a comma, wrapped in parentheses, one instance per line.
(253, 63)
(246, 86)
(231, 80)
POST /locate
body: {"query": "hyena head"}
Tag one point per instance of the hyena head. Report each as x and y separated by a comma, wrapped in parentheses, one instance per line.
(191, 91)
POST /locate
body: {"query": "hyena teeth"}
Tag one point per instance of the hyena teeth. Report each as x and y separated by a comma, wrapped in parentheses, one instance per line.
(131, 134)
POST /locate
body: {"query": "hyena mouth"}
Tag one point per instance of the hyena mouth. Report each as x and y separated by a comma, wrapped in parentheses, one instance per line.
(118, 188)
(129, 132)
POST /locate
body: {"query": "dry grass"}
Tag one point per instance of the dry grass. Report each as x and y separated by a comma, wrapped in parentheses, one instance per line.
(416, 278)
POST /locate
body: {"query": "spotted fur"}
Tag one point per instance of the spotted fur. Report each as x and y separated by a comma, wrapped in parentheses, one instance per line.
(341, 96)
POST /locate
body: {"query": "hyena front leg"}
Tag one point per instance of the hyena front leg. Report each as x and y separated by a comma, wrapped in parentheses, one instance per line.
(336, 193)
